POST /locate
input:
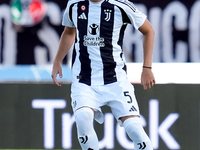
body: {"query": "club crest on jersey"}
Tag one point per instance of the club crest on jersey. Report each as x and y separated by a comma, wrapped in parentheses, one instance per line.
(83, 7)
(108, 14)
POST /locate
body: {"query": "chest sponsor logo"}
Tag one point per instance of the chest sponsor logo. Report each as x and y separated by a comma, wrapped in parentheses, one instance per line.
(93, 29)
(91, 39)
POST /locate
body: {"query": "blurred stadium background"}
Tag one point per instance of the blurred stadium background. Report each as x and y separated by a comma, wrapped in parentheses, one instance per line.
(35, 114)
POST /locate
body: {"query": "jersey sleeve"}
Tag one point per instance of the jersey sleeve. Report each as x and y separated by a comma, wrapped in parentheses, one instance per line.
(67, 16)
(136, 17)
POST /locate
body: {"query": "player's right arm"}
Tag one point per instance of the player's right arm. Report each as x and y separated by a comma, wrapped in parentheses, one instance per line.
(66, 41)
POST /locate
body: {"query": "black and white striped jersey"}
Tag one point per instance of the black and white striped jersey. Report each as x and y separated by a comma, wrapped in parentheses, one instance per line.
(98, 56)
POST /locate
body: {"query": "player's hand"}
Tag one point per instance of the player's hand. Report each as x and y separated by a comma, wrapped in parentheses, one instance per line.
(147, 78)
(57, 69)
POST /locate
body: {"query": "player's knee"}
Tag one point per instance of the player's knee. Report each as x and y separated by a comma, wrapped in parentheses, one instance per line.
(135, 130)
(84, 113)
(84, 119)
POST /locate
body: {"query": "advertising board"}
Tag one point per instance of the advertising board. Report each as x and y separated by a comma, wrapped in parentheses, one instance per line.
(39, 115)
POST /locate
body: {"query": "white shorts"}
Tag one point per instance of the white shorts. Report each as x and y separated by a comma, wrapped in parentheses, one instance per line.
(119, 96)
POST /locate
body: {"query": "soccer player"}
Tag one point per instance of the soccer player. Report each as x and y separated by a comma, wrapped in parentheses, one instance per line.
(96, 27)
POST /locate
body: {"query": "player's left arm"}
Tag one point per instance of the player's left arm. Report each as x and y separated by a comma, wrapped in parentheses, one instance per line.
(147, 77)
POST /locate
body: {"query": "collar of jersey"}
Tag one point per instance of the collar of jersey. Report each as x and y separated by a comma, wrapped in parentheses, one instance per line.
(96, 3)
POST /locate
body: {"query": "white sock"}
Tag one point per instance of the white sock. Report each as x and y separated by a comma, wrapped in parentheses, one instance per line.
(137, 134)
(86, 134)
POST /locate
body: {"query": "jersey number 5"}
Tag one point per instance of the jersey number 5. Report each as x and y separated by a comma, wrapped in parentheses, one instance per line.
(126, 93)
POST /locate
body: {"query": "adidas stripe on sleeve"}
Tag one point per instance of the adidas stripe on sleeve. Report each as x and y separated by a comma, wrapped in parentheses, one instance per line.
(136, 17)
(67, 17)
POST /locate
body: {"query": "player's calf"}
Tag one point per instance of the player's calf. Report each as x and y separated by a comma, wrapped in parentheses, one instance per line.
(137, 134)
(86, 134)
